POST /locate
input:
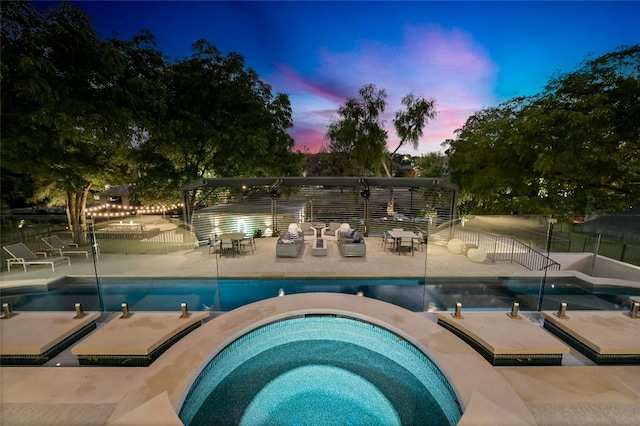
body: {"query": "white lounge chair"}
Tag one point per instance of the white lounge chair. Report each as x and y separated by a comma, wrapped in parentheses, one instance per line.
(22, 255)
(56, 244)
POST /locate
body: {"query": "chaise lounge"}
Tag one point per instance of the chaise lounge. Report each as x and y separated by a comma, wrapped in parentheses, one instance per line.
(61, 248)
(22, 255)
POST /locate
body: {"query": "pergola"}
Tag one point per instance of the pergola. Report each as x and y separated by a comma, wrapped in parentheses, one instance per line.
(331, 198)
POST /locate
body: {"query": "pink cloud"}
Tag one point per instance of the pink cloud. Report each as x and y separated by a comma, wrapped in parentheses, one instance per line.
(447, 65)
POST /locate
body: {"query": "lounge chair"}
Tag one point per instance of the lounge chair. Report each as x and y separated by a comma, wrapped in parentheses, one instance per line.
(332, 232)
(22, 255)
(63, 248)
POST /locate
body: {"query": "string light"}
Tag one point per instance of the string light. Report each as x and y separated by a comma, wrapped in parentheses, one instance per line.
(105, 210)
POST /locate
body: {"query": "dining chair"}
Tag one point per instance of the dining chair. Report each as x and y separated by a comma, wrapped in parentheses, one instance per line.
(387, 240)
(406, 242)
(248, 241)
(226, 244)
(214, 244)
(420, 240)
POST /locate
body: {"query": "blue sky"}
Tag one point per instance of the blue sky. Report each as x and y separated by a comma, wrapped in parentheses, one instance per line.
(466, 55)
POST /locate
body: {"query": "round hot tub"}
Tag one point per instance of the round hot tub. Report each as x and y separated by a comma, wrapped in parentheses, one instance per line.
(321, 369)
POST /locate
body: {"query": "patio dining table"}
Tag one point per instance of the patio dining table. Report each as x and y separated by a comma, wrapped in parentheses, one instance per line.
(399, 235)
(235, 238)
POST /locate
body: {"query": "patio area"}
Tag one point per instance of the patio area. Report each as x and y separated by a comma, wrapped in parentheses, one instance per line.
(197, 262)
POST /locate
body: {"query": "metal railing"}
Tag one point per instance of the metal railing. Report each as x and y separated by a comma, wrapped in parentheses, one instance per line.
(507, 248)
(144, 239)
(531, 258)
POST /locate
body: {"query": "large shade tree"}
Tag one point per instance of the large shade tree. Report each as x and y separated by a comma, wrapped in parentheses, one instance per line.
(221, 120)
(573, 149)
(71, 102)
(358, 131)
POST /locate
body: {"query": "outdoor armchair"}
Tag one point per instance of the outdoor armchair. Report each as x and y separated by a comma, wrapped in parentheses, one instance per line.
(332, 232)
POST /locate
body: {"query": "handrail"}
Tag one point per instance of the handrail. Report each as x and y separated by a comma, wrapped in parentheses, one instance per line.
(508, 248)
(532, 259)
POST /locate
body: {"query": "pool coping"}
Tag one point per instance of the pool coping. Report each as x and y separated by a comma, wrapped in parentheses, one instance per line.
(466, 370)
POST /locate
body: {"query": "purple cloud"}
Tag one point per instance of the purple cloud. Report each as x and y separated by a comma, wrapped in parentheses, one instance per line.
(447, 65)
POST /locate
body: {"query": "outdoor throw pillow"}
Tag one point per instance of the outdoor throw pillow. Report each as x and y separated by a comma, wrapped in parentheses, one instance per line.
(350, 233)
(294, 234)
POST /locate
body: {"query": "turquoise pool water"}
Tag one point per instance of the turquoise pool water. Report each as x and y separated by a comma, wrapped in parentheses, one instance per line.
(320, 370)
(226, 294)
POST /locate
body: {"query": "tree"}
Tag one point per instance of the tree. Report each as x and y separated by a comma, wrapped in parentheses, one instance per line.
(433, 164)
(359, 133)
(410, 123)
(221, 120)
(71, 103)
(572, 149)
(486, 163)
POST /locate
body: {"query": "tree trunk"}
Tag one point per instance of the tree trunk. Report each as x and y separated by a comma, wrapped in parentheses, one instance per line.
(389, 171)
(76, 214)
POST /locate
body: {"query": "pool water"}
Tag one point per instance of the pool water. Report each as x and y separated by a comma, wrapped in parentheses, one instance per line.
(320, 370)
(166, 294)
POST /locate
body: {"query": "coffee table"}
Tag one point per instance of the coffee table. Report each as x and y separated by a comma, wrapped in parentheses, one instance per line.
(319, 247)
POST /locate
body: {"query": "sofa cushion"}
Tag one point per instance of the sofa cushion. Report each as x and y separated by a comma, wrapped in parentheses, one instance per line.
(333, 227)
(305, 226)
(344, 227)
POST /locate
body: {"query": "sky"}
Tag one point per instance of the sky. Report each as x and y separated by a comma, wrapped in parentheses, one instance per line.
(467, 55)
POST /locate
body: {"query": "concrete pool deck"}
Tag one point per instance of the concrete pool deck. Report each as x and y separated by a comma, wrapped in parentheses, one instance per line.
(573, 393)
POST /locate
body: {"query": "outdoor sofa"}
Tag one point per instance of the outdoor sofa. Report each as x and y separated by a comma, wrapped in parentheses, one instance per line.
(287, 246)
(352, 244)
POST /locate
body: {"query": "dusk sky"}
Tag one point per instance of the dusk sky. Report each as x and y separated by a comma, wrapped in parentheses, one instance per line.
(466, 55)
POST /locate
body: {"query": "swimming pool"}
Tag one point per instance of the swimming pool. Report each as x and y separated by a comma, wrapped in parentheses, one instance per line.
(225, 294)
(320, 370)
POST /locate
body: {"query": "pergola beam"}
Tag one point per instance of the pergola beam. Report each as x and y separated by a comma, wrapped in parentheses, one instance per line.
(341, 181)
(321, 181)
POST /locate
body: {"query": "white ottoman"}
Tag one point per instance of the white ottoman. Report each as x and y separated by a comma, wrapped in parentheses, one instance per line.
(477, 255)
(455, 246)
